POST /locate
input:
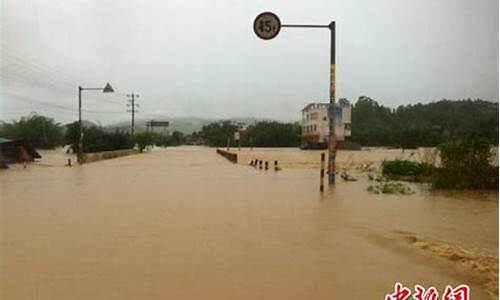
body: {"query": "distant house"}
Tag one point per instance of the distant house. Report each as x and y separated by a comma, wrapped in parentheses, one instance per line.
(16, 151)
(315, 124)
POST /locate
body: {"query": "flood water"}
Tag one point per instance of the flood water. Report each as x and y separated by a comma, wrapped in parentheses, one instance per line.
(184, 223)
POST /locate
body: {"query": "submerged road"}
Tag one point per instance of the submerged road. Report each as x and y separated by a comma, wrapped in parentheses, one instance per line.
(184, 223)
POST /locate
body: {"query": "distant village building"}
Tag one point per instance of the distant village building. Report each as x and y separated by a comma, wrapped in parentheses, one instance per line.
(16, 151)
(315, 124)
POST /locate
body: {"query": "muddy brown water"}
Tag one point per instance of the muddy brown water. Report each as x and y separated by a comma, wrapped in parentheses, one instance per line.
(184, 223)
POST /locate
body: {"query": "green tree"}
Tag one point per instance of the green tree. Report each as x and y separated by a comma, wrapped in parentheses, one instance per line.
(97, 139)
(261, 134)
(422, 124)
(144, 139)
(39, 131)
(216, 134)
(466, 164)
(273, 134)
(177, 138)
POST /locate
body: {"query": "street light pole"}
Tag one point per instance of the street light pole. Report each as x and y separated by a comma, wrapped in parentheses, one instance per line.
(106, 89)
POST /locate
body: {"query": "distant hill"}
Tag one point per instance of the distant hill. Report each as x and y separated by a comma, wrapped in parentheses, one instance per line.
(186, 125)
(85, 123)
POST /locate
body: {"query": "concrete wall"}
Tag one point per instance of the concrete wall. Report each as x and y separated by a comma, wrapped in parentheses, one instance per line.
(233, 157)
(96, 156)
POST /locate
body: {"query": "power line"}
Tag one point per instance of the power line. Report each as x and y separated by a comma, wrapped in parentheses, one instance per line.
(30, 100)
(32, 82)
(22, 70)
(32, 63)
(35, 73)
(67, 108)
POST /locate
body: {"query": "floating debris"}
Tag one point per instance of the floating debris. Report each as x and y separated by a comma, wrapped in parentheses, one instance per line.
(344, 175)
(377, 177)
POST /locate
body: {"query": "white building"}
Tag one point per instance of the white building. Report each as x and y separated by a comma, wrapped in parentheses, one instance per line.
(315, 123)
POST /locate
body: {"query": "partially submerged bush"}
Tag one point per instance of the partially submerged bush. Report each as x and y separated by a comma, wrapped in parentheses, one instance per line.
(143, 140)
(466, 164)
(405, 169)
(390, 188)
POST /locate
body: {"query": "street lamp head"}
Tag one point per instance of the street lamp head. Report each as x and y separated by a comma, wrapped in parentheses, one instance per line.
(108, 88)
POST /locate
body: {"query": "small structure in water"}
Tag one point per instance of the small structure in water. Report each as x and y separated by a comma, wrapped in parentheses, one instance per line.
(16, 151)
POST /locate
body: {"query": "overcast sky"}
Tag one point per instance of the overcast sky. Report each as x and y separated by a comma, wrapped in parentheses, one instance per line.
(202, 58)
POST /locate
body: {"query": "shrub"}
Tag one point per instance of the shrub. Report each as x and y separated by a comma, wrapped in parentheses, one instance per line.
(466, 164)
(96, 139)
(144, 139)
(39, 131)
(398, 169)
(390, 188)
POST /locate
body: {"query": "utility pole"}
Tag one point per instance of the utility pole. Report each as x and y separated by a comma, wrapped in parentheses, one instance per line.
(133, 109)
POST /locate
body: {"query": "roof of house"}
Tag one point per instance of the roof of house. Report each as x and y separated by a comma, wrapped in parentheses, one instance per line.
(342, 102)
(7, 143)
(314, 103)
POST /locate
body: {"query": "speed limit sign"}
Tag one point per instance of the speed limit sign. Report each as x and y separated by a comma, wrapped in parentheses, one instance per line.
(267, 25)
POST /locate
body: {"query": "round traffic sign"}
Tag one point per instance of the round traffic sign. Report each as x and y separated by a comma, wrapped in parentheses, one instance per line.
(267, 25)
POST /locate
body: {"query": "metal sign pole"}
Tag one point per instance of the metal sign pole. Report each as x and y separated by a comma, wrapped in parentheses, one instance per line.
(266, 26)
(332, 145)
(80, 127)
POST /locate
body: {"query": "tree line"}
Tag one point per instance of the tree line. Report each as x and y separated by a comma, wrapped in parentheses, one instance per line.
(419, 125)
(372, 124)
(45, 133)
(260, 134)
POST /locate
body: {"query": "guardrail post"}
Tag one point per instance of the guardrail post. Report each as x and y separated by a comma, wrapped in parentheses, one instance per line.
(322, 173)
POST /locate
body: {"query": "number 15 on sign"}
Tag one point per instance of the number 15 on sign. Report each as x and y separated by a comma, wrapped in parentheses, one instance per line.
(267, 25)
